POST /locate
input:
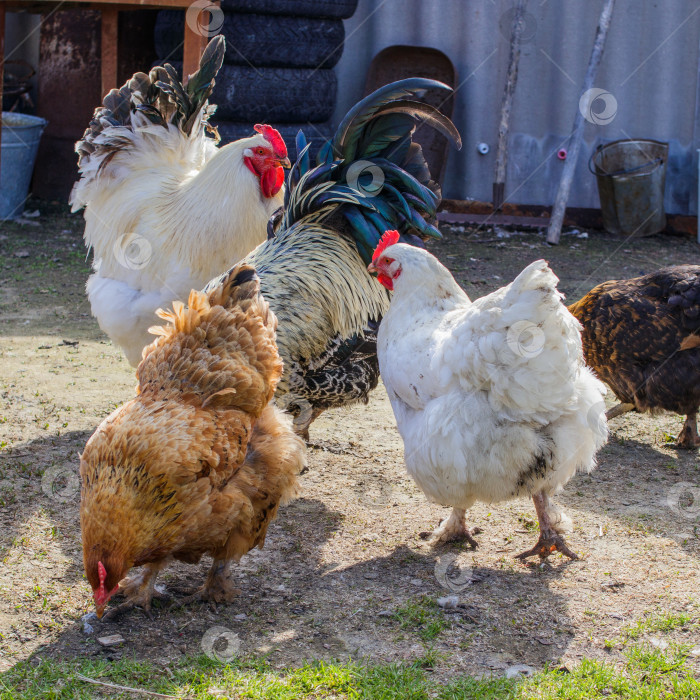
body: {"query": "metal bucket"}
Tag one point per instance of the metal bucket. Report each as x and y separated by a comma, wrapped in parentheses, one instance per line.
(20, 141)
(631, 176)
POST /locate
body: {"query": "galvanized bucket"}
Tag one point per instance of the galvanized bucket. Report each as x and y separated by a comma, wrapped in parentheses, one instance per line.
(20, 141)
(631, 175)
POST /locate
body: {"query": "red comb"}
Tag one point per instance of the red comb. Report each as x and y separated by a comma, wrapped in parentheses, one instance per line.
(274, 137)
(389, 238)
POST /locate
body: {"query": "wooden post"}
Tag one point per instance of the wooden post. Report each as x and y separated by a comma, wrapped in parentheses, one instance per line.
(195, 43)
(499, 183)
(110, 31)
(559, 208)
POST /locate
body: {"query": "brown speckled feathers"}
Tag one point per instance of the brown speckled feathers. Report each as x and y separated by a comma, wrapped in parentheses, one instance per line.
(200, 460)
(641, 336)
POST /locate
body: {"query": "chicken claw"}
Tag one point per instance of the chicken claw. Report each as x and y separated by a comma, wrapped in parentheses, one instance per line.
(688, 439)
(454, 529)
(114, 613)
(550, 540)
(139, 591)
(218, 588)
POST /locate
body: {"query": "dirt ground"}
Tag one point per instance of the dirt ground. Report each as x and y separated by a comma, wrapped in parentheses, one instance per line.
(341, 561)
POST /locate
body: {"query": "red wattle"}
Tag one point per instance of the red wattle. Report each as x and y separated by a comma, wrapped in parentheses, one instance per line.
(386, 281)
(249, 164)
(271, 181)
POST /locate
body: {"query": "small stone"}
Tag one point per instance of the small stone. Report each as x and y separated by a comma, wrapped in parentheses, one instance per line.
(240, 617)
(385, 613)
(450, 601)
(495, 661)
(87, 628)
(695, 651)
(416, 582)
(111, 640)
(22, 254)
(519, 670)
(616, 616)
(658, 643)
(371, 575)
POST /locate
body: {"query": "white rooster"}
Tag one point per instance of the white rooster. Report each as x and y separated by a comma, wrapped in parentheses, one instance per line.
(165, 208)
(492, 397)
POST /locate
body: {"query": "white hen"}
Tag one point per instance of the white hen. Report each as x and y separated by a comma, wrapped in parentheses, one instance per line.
(165, 208)
(492, 397)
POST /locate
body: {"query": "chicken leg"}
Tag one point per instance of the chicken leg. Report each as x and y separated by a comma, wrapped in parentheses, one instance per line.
(618, 410)
(550, 540)
(688, 438)
(454, 529)
(139, 590)
(218, 587)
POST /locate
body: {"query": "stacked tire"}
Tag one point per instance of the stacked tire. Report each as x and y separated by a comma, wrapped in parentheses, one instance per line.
(278, 67)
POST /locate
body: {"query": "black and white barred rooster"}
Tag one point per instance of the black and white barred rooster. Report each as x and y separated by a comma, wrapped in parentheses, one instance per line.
(370, 177)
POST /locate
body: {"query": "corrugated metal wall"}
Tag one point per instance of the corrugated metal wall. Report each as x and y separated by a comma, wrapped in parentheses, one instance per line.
(650, 66)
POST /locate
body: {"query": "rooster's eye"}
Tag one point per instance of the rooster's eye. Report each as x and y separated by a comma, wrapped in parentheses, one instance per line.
(261, 151)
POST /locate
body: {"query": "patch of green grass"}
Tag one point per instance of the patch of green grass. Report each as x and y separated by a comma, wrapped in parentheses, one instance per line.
(647, 674)
(423, 616)
(657, 622)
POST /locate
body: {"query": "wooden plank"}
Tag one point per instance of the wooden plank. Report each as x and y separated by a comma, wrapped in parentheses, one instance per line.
(48, 5)
(499, 181)
(110, 30)
(196, 39)
(567, 177)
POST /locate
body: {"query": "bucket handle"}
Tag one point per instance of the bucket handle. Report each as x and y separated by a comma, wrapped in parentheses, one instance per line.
(628, 171)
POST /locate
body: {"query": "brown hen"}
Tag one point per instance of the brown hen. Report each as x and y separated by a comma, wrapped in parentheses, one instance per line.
(200, 460)
(642, 337)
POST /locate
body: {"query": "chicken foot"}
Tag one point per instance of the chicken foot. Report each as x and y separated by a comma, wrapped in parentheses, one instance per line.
(454, 529)
(139, 591)
(218, 587)
(618, 410)
(550, 540)
(688, 438)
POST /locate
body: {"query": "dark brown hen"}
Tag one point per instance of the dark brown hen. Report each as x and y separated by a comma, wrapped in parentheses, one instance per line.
(642, 337)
